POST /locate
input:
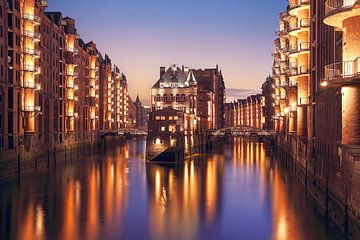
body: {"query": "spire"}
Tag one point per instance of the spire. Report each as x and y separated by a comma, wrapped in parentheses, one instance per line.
(137, 98)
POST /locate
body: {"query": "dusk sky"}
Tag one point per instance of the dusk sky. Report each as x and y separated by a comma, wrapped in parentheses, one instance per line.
(142, 35)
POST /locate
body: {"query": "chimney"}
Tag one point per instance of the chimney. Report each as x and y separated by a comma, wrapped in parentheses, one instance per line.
(162, 71)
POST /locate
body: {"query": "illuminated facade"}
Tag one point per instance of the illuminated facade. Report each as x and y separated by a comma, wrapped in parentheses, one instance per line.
(177, 89)
(246, 112)
(211, 98)
(53, 86)
(316, 74)
(199, 93)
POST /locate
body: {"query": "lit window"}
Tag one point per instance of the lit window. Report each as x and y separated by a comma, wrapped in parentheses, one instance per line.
(163, 118)
(163, 129)
(157, 118)
(171, 118)
(176, 117)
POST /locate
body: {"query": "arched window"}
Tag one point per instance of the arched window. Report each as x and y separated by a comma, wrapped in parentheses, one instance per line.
(165, 98)
(177, 98)
(157, 98)
(171, 98)
(183, 98)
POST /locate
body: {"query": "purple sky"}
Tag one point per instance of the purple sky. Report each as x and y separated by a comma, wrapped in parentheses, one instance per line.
(142, 35)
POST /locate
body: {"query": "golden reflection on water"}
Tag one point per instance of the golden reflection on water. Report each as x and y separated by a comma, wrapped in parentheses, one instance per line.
(90, 200)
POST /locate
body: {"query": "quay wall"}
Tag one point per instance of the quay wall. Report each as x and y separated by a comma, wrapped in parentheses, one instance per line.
(332, 180)
(34, 154)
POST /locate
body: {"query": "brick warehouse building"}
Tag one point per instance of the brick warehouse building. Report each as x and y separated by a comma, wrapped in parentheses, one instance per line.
(200, 94)
(316, 74)
(55, 89)
(246, 112)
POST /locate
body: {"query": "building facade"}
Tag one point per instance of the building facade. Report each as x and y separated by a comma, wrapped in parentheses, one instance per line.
(177, 89)
(246, 112)
(316, 80)
(55, 89)
(200, 94)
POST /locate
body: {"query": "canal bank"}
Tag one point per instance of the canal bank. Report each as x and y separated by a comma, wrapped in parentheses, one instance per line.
(332, 180)
(38, 155)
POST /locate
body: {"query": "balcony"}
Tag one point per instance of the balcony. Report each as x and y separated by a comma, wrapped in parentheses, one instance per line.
(31, 34)
(304, 101)
(30, 68)
(299, 26)
(31, 18)
(293, 83)
(300, 48)
(31, 85)
(281, 32)
(298, 5)
(29, 108)
(342, 72)
(72, 74)
(297, 71)
(33, 52)
(336, 11)
(280, 97)
(283, 85)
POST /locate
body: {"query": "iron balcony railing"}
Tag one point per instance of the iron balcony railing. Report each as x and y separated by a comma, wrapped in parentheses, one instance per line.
(341, 70)
(293, 83)
(72, 74)
(30, 17)
(28, 108)
(302, 23)
(303, 46)
(31, 85)
(294, 71)
(30, 68)
(297, 3)
(334, 6)
(30, 51)
(30, 34)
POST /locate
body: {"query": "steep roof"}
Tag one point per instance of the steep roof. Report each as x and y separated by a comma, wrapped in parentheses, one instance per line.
(175, 74)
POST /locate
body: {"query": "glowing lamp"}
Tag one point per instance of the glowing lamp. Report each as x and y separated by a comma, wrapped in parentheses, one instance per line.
(324, 83)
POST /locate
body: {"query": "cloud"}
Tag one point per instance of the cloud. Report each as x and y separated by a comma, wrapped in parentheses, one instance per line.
(234, 94)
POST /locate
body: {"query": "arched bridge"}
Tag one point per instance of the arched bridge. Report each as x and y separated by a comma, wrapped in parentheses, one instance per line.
(124, 132)
(243, 131)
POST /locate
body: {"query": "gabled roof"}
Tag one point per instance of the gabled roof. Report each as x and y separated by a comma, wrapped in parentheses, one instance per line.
(175, 74)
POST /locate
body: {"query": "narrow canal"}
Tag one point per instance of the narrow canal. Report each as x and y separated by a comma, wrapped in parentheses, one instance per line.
(238, 192)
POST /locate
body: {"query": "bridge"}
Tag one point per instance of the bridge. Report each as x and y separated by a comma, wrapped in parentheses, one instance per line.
(123, 132)
(243, 131)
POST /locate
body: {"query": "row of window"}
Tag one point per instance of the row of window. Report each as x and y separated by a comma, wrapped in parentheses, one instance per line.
(163, 118)
(170, 98)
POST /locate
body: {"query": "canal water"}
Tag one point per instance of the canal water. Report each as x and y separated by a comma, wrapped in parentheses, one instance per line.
(238, 192)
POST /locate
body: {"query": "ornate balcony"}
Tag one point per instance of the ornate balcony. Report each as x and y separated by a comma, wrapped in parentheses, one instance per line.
(343, 73)
(336, 11)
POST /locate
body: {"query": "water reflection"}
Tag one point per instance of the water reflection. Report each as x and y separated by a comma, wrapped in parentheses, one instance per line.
(239, 192)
